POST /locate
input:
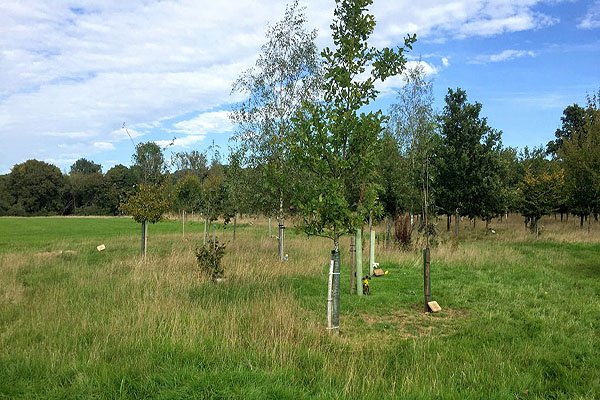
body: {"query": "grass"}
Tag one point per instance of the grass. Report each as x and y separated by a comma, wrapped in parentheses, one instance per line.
(520, 319)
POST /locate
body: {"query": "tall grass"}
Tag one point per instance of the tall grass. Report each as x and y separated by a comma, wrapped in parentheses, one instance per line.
(520, 318)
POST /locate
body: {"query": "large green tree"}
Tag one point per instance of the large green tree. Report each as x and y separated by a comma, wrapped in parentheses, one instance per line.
(119, 182)
(87, 187)
(572, 128)
(580, 155)
(285, 74)
(149, 163)
(335, 142)
(466, 164)
(37, 188)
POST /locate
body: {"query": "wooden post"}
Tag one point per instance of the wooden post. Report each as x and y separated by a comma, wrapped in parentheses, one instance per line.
(352, 263)
(426, 277)
(234, 225)
(144, 239)
(183, 222)
(205, 228)
(359, 262)
(371, 251)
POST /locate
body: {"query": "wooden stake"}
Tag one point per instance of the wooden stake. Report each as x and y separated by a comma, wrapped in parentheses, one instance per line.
(352, 263)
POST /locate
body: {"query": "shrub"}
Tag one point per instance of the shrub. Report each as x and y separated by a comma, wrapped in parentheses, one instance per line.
(209, 259)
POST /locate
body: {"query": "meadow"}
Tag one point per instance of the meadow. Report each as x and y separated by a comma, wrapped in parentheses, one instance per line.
(520, 317)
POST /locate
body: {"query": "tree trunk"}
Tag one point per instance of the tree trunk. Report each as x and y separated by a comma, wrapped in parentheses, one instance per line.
(183, 223)
(590, 222)
(388, 237)
(487, 224)
(526, 221)
(456, 221)
(205, 230)
(561, 217)
(234, 225)
(581, 221)
(537, 232)
(144, 233)
(474, 220)
(448, 222)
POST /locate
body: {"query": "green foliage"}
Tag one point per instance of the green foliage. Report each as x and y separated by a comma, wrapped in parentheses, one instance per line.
(287, 72)
(119, 182)
(573, 127)
(149, 163)
(334, 144)
(210, 258)
(540, 192)
(188, 194)
(214, 192)
(37, 188)
(83, 166)
(147, 204)
(468, 162)
(580, 154)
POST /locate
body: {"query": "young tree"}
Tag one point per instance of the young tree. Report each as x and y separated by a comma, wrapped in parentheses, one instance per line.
(335, 144)
(188, 196)
(148, 204)
(540, 193)
(286, 73)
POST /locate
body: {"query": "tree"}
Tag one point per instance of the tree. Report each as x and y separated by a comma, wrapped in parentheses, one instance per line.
(6, 199)
(573, 125)
(86, 182)
(465, 159)
(334, 144)
(83, 166)
(149, 163)
(37, 188)
(286, 73)
(540, 193)
(192, 162)
(119, 182)
(213, 194)
(413, 123)
(580, 154)
(188, 195)
(147, 204)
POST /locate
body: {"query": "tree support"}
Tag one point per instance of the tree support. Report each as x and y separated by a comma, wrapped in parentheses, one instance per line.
(371, 251)
(426, 277)
(144, 238)
(352, 263)
(333, 297)
(359, 271)
(281, 240)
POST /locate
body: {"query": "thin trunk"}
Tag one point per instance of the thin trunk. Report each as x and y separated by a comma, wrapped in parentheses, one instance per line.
(561, 217)
(456, 221)
(183, 223)
(487, 224)
(590, 222)
(205, 231)
(270, 228)
(581, 221)
(537, 231)
(234, 225)
(474, 220)
(143, 247)
(448, 222)
(388, 237)
(526, 221)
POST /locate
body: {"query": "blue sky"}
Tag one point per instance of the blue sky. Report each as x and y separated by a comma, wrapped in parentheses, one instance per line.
(72, 72)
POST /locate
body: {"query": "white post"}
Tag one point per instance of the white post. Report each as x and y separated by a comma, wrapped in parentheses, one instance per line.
(371, 251)
(330, 297)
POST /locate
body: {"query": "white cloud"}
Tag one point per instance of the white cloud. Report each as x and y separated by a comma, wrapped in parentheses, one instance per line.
(445, 62)
(104, 146)
(592, 18)
(210, 122)
(78, 73)
(502, 56)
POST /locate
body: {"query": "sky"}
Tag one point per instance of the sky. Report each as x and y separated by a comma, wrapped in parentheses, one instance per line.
(73, 73)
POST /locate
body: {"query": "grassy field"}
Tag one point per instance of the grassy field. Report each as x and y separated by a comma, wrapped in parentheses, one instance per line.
(520, 319)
